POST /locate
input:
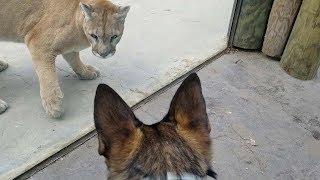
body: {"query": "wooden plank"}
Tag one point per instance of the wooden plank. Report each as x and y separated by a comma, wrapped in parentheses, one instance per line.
(301, 57)
(281, 20)
(252, 24)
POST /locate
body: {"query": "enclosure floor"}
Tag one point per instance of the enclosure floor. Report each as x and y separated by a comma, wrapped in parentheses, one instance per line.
(163, 39)
(265, 124)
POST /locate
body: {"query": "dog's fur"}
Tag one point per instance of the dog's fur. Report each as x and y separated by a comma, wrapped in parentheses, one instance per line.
(53, 27)
(180, 143)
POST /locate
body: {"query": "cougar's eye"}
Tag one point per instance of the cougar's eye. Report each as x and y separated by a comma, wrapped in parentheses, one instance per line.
(94, 36)
(114, 37)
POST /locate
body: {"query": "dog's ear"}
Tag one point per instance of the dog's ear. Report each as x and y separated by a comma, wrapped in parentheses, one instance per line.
(114, 120)
(188, 108)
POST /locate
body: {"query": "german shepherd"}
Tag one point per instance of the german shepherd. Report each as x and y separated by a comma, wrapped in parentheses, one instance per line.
(177, 147)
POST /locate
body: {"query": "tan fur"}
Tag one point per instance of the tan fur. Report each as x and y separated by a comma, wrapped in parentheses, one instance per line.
(197, 138)
(53, 27)
(121, 152)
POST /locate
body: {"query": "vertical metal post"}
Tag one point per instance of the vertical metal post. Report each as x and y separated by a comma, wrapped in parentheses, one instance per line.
(234, 21)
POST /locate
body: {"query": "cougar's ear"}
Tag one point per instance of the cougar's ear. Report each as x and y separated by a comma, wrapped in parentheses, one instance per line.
(122, 12)
(188, 108)
(114, 120)
(86, 11)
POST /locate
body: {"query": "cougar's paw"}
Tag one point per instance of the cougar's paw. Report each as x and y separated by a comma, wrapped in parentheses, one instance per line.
(52, 103)
(3, 65)
(3, 106)
(89, 73)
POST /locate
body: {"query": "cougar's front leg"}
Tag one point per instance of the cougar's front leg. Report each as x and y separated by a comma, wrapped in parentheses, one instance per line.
(51, 94)
(83, 71)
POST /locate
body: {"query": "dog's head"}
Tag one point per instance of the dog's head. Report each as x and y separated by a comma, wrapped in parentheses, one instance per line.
(178, 144)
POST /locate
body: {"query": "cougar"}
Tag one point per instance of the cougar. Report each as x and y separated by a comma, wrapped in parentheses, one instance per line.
(53, 27)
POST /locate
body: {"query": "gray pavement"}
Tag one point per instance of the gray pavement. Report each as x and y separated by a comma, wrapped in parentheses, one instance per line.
(265, 124)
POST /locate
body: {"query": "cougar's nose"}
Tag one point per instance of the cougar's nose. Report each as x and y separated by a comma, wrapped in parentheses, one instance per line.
(104, 54)
(107, 54)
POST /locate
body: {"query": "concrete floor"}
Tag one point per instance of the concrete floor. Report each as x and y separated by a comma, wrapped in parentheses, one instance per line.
(163, 39)
(265, 124)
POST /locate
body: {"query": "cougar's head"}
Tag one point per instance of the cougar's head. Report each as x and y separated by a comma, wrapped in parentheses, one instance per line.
(103, 25)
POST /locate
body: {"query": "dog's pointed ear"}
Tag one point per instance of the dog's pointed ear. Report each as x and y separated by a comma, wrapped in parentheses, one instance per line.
(188, 108)
(114, 120)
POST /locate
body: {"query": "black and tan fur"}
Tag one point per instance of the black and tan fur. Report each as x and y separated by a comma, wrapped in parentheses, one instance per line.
(179, 143)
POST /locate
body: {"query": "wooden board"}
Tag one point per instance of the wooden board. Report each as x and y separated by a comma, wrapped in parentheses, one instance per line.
(252, 24)
(301, 58)
(281, 20)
